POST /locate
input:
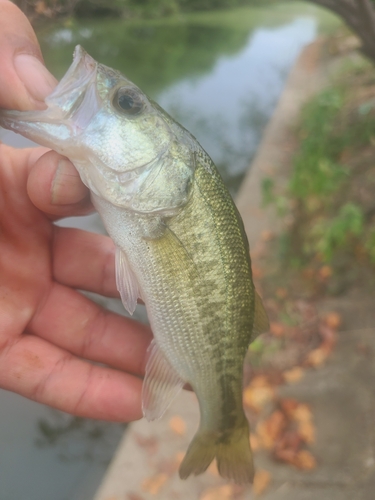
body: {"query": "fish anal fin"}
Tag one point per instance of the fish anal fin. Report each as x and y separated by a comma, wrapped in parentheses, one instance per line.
(161, 384)
(261, 323)
(126, 282)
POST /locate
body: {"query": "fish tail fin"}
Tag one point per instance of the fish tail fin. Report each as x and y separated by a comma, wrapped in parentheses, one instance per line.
(231, 449)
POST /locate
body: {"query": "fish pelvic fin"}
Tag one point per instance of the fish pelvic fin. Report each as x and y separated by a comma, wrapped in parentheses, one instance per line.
(231, 449)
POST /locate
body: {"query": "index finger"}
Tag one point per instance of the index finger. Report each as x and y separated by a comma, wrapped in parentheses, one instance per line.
(24, 80)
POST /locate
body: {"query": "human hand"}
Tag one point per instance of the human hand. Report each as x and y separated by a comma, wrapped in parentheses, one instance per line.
(49, 332)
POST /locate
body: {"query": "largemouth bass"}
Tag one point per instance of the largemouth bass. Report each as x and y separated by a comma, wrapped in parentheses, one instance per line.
(181, 247)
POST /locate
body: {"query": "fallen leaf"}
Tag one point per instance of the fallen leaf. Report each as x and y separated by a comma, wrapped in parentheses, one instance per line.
(266, 441)
(270, 430)
(129, 496)
(288, 406)
(287, 447)
(333, 320)
(254, 442)
(218, 493)
(262, 479)
(307, 432)
(154, 484)
(259, 381)
(277, 329)
(329, 336)
(302, 413)
(294, 375)
(177, 425)
(305, 460)
(281, 293)
(151, 444)
(325, 272)
(317, 357)
(257, 397)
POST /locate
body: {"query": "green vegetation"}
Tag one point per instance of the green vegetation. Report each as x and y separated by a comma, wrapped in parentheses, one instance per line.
(142, 50)
(147, 9)
(331, 191)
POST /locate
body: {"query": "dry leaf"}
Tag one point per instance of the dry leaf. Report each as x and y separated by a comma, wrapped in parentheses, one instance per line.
(333, 320)
(254, 442)
(281, 293)
(302, 413)
(329, 336)
(305, 460)
(262, 479)
(129, 496)
(177, 425)
(151, 444)
(218, 493)
(259, 381)
(307, 432)
(294, 375)
(266, 441)
(270, 430)
(287, 447)
(277, 329)
(325, 272)
(288, 406)
(317, 357)
(257, 397)
(154, 484)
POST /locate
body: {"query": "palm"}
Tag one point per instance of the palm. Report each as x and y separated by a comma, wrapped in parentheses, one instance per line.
(48, 329)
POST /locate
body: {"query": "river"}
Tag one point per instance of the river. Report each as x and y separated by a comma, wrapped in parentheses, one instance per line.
(220, 74)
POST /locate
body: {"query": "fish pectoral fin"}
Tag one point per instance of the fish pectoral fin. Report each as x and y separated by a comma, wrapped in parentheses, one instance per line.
(261, 323)
(161, 384)
(126, 282)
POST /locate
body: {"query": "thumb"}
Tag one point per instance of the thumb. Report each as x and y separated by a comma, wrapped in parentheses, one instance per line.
(24, 80)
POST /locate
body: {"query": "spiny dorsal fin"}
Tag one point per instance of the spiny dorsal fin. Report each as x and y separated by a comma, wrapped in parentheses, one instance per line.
(261, 323)
(161, 384)
(126, 282)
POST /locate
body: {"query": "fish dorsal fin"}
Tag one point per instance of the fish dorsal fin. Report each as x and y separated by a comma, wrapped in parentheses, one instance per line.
(261, 323)
(161, 384)
(126, 282)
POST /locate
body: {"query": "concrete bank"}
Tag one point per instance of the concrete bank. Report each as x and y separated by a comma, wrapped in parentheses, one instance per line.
(145, 465)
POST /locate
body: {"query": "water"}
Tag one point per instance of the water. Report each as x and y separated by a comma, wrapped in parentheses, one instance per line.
(220, 75)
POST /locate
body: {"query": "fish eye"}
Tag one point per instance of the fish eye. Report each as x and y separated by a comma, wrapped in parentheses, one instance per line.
(128, 101)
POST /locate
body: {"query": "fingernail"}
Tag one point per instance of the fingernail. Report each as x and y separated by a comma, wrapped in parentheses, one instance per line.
(67, 187)
(35, 76)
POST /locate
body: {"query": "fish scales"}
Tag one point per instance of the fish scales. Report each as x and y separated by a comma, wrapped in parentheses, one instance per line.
(181, 247)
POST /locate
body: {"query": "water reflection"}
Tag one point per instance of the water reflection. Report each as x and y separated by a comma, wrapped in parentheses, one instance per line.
(228, 108)
(76, 439)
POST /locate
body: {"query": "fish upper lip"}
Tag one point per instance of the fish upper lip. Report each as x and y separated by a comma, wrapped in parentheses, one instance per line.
(81, 72)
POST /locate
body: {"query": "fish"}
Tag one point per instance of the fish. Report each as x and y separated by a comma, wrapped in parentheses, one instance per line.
(180, 244)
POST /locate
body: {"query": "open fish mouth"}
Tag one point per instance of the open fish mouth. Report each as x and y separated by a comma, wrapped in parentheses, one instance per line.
(70, 107)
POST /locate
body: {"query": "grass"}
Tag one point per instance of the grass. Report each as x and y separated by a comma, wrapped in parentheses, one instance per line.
(331, 190)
